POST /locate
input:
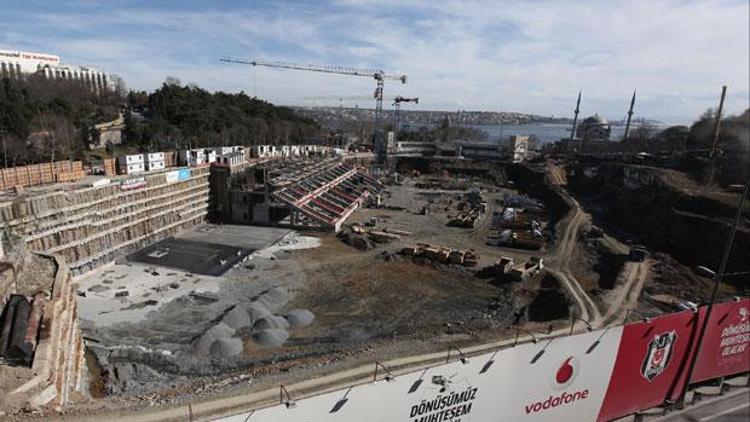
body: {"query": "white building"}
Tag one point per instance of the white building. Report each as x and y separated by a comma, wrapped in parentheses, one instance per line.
(518, 147)
(20, 64)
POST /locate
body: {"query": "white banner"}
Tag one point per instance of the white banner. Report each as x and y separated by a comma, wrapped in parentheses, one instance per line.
(172, 176)
(563, 379)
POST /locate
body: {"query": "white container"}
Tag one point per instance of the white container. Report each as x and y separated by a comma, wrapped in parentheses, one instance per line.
(155, 165)
(134, 168)
(134, 159)
(154, 156)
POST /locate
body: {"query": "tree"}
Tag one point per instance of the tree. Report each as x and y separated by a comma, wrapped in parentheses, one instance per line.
(644, 131)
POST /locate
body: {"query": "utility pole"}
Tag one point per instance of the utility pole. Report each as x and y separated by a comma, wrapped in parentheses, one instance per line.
(575, 116)
(717, 123)
(630, 115)
(715, 143)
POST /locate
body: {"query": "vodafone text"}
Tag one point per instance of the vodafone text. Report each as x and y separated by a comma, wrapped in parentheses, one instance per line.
(554, 401)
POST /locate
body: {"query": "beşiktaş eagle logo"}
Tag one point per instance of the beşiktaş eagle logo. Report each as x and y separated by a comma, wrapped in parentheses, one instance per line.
(659, 354)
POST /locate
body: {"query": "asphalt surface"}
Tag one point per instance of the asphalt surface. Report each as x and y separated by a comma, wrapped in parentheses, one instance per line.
(194, 257)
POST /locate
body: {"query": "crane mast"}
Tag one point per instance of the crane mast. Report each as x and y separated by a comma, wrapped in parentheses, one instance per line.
(397, 112)
(379, 75)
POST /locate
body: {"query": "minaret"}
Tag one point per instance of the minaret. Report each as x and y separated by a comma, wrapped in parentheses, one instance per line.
(630, 115)
(575, 117)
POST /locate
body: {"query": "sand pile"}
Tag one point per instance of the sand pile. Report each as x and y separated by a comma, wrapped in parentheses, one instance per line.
(300, 318)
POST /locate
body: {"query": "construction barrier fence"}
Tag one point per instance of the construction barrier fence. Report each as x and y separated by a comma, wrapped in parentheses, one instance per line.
(39, 174)
(600, 375)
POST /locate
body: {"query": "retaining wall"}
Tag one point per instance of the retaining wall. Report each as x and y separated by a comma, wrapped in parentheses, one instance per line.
(89, 226)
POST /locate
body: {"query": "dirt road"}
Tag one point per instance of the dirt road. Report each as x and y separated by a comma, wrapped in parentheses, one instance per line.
(626, 296)
(560, 255)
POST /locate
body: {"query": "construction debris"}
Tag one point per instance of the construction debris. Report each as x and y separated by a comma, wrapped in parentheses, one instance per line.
(442, 255)
(504, 267)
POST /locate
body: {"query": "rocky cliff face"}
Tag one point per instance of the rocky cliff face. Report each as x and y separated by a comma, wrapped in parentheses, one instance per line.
(665, 211)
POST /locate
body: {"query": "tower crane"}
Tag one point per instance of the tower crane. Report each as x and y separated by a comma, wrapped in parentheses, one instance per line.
(379, 75)
(343, 98)
(397, 111)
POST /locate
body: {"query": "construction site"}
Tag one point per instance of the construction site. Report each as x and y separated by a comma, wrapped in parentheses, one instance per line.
(203, 275)
(194, 281)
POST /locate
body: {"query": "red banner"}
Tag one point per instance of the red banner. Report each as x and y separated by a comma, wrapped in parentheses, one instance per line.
(726, 346)
(651, 364)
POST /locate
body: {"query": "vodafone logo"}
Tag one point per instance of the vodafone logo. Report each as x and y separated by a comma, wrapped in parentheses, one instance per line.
(566, 373)
(563, 378)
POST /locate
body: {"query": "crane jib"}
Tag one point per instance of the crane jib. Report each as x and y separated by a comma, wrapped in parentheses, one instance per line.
(341, 70)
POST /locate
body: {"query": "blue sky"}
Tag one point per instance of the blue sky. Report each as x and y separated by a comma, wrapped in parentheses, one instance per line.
(528, 56)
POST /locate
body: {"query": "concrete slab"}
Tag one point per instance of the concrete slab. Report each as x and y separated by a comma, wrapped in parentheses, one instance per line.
(148, 289)
(193, 256)
(246, 237)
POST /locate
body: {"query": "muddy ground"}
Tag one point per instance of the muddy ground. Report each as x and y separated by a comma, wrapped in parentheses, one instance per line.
(361, 300)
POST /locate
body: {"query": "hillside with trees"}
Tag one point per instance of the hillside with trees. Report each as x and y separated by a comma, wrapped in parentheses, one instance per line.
(186, 115)
(43, 120)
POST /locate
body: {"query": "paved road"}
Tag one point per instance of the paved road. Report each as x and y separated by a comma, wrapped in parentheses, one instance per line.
(730, 408)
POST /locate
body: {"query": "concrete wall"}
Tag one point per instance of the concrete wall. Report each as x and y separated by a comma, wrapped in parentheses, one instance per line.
(88, 226)
(58, 366)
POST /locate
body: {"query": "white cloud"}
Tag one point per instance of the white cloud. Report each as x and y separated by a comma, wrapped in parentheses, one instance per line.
(529, 56)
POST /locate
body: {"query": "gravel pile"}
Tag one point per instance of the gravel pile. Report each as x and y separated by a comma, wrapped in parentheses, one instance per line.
(226, 347)
(271, 322)
(271, 337)
(238, 317)
(300, 318)
(274, 297)
(257, 311)
(203, 343)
